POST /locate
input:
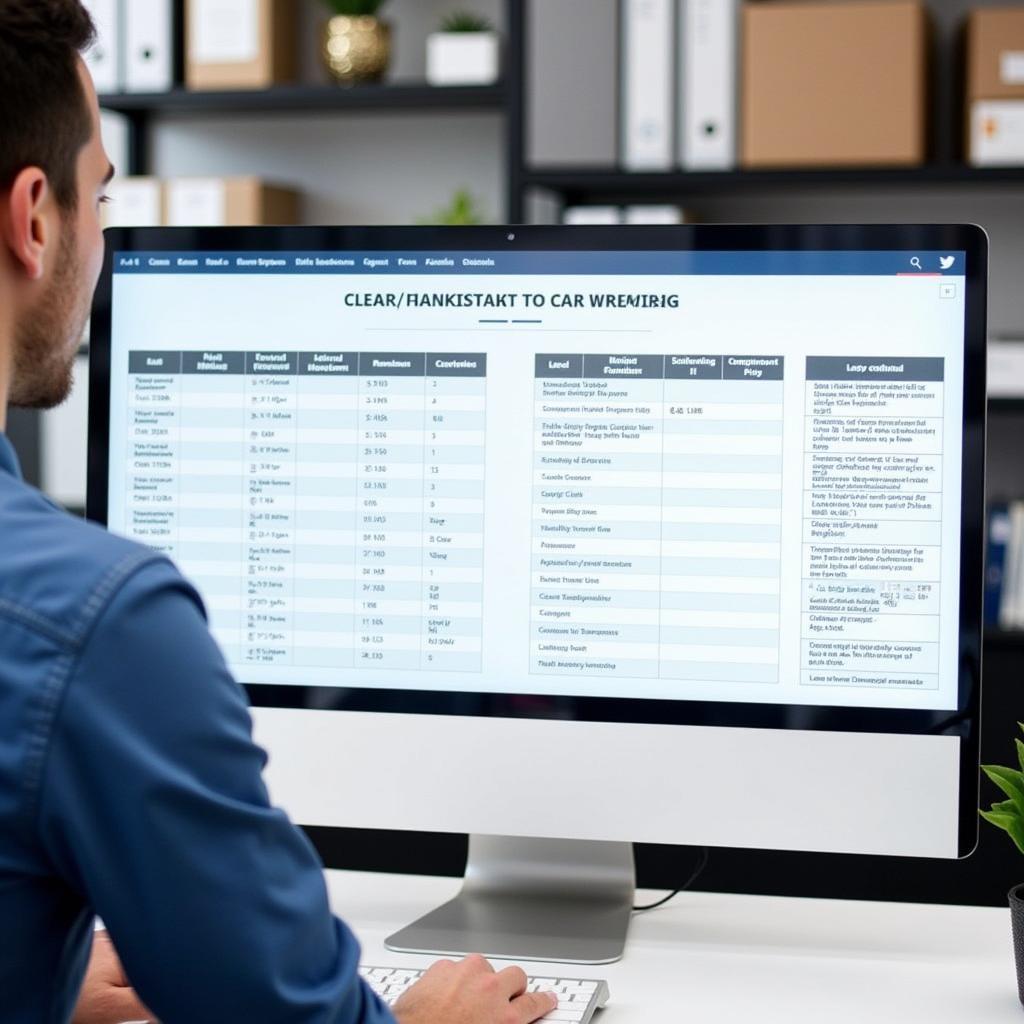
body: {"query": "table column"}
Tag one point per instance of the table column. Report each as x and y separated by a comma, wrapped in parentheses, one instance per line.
(212, 479)
(325, 510)
(872, 522)
(271, 384)
(596, 514)
(455, 423)
(389, 539)
(721, 523)
(154, 422)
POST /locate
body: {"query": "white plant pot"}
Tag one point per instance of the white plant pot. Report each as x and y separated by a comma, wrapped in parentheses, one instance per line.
(463, 58)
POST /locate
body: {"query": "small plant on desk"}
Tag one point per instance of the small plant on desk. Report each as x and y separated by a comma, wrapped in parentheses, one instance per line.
(464, 21)
(1008, 815)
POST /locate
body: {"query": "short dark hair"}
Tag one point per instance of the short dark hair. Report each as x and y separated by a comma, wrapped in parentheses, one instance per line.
(44, 119)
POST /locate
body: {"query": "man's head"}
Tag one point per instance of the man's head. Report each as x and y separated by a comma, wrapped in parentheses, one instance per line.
(53, 172)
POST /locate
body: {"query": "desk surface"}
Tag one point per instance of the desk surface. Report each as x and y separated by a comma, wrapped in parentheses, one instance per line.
(715, 958)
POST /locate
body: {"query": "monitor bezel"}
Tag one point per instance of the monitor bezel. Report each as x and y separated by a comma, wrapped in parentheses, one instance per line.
(964, 722)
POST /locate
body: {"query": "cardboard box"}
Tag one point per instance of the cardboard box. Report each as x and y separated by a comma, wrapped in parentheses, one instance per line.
(240, 44)
(228, 202)
(834, 83)
(997, 133)
(995, 54)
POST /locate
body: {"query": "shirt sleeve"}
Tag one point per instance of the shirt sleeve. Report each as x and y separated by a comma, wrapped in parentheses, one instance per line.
(153, 806)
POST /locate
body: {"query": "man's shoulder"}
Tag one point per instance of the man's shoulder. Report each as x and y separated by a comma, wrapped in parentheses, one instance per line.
(61, 571)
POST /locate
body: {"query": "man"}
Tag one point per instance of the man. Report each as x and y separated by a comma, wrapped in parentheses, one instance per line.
(129, 783)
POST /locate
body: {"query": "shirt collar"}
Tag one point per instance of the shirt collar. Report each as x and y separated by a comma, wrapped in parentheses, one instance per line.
(8, 458)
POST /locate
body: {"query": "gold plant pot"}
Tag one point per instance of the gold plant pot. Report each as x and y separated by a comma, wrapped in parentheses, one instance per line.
(357, 49)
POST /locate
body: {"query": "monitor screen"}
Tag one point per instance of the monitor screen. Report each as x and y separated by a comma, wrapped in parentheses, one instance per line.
(687, 476)
(638, 501)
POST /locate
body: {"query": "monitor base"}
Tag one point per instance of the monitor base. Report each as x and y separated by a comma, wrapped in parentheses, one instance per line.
(567, 901)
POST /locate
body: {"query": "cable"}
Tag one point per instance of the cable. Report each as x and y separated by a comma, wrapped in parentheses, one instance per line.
(657, 903)
(697, 871)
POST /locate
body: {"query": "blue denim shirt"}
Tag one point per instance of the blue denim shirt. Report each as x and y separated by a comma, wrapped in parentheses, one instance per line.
(130, 788)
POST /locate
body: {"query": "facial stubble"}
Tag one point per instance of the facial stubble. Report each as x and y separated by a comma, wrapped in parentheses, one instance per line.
(46, 340)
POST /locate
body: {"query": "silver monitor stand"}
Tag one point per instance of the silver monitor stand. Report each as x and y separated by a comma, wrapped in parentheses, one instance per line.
(562, 900)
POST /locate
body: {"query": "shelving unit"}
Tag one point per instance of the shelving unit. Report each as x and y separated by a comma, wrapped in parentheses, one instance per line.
(312, 98)
(585, 185)
(570, 185)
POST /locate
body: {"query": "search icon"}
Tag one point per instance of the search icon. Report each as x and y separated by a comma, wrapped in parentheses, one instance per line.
(915, 261)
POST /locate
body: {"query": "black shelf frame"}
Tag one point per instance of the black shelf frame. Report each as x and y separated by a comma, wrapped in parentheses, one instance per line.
(1006, 404)
(1004, 639)
(309, 98)
(581, 185)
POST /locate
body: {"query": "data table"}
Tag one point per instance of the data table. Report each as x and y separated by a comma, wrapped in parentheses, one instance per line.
(329, 505)
(872, 536)
(657, 516)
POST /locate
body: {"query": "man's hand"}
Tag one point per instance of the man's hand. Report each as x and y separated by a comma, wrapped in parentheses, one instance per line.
(107, 996)
(471, 992)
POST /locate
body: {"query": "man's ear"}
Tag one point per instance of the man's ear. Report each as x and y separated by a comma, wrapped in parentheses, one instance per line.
(26, 228)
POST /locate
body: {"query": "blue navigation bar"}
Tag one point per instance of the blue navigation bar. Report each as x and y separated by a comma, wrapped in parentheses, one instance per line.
(645, 263)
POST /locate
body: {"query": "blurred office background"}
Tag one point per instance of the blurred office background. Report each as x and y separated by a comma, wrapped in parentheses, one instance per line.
(595, 111)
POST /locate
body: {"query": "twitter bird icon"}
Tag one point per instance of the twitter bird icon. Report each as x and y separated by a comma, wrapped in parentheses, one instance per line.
(945, 262)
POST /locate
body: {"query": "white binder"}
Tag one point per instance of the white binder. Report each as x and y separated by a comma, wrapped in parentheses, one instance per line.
(116, 134)
(592, 215)
(709, 55)
(148, 45)
(104, 57)
(648, 85)
(197, 202)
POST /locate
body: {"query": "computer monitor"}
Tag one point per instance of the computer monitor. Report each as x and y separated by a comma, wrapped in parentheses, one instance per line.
(571, 538)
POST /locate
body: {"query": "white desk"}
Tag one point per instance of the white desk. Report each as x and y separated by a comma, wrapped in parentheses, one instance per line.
(710, 958)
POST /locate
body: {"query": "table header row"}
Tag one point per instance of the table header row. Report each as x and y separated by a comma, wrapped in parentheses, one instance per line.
(672, 367)
(311, 364)
(915, 368)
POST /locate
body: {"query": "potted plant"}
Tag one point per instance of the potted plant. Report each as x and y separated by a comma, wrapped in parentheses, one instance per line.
(1008, 815)
(462, 211)
(356, 43)
(466, 51)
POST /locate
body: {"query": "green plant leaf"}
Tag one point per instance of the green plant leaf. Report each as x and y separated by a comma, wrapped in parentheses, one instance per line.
(1010, 782)
(1000, 820)
(464, 21)
(462, 210)
(1020, 753)
(1009, 823)
(354, 8)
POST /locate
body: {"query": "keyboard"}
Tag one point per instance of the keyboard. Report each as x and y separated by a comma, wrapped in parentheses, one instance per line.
(577, 999)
